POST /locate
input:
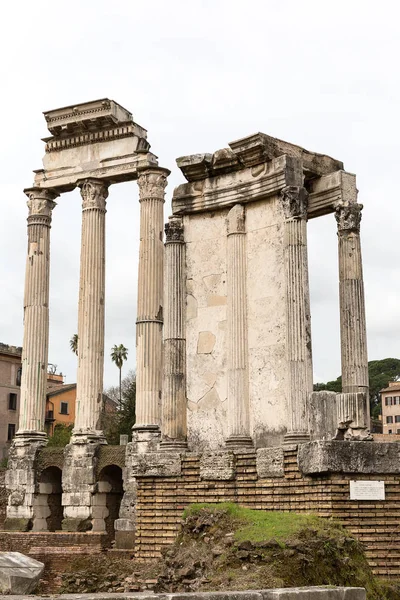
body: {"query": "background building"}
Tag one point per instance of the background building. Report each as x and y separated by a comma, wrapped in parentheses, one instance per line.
(391, 408)
(10, 380)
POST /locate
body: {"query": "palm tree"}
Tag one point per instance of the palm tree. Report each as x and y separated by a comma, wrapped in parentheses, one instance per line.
(73, 343)
(118, 355)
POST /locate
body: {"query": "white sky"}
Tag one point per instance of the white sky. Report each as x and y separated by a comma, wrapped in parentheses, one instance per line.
(198, 74)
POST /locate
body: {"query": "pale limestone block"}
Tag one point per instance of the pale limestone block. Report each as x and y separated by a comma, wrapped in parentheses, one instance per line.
(217, 465)
(99, 500)
(191, 307)
(155, 464)
(98, 525)
(45, 488)
(209, 401)
(100, 512)
(40, 523)
(270, 462)
(19, 574)
(104, 486)
(77, 512)
(206, 342)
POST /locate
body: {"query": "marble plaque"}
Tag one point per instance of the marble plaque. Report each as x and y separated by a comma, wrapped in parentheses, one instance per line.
(367, 490)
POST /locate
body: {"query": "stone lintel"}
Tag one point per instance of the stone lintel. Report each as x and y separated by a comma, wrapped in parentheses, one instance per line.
(349, 457)
(250, 151)
(329, 191)
(269, 462)
(154, 464)
(218, 465)
(246, 185)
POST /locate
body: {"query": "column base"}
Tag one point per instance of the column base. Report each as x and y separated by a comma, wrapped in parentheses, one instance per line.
(30, 437)
(174, 445)
(146, 438)
(296, 437)
(87, 436)
(239, 441)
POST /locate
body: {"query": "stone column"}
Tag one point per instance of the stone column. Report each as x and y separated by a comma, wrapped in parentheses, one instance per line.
(146, 432)
(174, 426)
(298, 321)
(89, 391)
(353, 331)
(238, 370)
(21, 476)
(36, 315)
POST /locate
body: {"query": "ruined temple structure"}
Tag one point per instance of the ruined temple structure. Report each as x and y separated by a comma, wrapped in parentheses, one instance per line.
(225, 403)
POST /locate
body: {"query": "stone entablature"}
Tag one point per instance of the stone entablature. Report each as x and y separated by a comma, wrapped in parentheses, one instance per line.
(96, 139)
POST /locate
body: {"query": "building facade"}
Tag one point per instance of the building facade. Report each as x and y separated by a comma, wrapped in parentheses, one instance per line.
(10, 381)
(391, 408)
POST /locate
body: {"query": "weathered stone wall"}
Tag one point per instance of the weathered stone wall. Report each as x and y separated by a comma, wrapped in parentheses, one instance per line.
(206, 286)
(160, 502)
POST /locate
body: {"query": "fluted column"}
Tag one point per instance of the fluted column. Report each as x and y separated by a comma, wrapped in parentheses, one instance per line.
(89, 392)
(298, 321)
(152, 183)
(36, 315)
(238, 367)
(174, 422)
(353, 331)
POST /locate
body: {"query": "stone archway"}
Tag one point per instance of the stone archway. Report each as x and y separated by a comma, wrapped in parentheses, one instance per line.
(48, 512)
(108, 499)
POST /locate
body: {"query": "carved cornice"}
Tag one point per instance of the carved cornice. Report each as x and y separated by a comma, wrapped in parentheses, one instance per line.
(235, 221)
(106, 105)
(152, 184)
(348, 217)
(40, 203)
(55, 144)
(174, 231)
(295, 202)
(94, 193)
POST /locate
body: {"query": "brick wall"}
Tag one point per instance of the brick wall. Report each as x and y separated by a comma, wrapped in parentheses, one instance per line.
(160, 502)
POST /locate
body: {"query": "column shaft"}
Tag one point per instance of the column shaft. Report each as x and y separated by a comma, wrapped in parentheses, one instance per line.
(36, 314)
(152, 183)
(238, 370)
(298, 320)
(353, 331)
(174, 421)
(89, 393)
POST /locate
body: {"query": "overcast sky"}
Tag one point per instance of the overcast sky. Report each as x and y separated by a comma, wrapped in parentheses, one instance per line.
(197, 75)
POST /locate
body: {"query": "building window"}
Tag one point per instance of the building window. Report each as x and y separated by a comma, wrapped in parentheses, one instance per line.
(64, 408)
(18, 378)
(397, 419)
(398, 431)
(388, 401)
(390, 431)
(12, 401)
(11, 431)
(389, 419)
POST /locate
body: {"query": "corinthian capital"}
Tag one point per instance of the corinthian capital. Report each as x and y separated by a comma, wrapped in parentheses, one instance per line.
(174, 230)
(152, 183)
(94, 194)
(235, 221)
(348, 217)
(295, 202)
(40, 201)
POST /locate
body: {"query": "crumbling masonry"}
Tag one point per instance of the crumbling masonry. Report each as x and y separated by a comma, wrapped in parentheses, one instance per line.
(223, 332)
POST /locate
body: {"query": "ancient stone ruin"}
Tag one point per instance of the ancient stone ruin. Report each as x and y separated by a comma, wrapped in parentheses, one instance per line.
(225, 403)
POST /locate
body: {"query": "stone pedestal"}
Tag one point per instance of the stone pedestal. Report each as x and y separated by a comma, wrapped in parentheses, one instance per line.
(174, 427)
(146, 432)
(89, 392)
(353, 333)
(238, 373)
(298, 320)
(36, 315)
(79, 484)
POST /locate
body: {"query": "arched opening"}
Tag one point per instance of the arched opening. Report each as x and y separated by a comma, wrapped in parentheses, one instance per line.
(47, 504)
(108, 500)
